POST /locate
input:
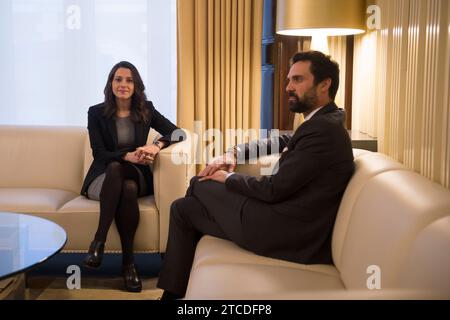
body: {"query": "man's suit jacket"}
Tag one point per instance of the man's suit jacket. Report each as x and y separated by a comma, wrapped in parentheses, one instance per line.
(103, 139)
(290, 215)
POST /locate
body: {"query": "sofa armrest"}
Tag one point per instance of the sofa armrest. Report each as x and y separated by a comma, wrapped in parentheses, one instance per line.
(262, 166)
(172, 171)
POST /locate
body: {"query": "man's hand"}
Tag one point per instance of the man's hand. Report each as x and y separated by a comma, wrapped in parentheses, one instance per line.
(226, 162)
(219, 176)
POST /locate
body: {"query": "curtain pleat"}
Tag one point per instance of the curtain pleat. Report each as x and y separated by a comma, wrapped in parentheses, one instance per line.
(401, 87)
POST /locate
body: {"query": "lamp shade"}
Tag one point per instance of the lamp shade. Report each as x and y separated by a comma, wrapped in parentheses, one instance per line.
(324, 17)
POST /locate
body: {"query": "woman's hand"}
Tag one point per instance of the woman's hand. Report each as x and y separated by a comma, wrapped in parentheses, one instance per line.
(134, 157)
(148, 152)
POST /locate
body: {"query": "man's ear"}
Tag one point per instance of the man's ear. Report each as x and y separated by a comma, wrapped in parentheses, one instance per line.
(325, 85)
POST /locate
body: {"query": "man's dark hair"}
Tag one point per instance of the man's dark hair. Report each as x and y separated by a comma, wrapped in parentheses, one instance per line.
(322, 67)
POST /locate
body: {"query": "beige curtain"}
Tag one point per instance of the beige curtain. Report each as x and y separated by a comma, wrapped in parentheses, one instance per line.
(219, 70)
(401, 85)
(338, 50)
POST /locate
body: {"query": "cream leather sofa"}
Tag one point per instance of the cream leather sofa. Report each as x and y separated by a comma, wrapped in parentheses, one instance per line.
(392, 232)
(42, 170)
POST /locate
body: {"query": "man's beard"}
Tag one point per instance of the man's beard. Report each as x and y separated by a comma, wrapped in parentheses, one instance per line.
(306, 104)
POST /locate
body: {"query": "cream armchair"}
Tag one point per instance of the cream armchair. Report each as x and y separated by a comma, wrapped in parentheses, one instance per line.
(41, 172)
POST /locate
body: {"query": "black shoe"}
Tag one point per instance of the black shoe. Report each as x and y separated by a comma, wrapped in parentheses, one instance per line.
(131, 278)
(95, 255)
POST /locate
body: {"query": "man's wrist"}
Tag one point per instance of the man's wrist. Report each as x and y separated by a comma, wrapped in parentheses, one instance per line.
(229, 174)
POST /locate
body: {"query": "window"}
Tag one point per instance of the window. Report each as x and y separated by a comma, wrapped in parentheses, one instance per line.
(56, 55)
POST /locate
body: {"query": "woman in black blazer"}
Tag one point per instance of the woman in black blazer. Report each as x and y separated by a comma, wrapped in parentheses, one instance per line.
(120, 173)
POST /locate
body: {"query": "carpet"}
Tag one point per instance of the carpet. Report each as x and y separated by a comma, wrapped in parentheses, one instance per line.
(91, 289)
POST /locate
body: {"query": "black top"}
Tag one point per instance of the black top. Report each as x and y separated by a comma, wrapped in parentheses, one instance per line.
(104, 141)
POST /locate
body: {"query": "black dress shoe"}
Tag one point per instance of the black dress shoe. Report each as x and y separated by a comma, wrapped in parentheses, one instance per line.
(131, 278)
(95, 255)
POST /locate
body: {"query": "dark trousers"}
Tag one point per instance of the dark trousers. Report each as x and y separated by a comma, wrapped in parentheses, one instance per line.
(207, 209)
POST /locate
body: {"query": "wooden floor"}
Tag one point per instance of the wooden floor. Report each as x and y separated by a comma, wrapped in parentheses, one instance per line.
(91, 289)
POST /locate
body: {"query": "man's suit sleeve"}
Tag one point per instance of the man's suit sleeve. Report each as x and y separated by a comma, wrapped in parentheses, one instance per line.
(99, 151)
(262, 147)
(310, 156)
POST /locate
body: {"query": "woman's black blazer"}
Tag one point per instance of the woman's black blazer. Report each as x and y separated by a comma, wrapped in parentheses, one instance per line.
(103, 138)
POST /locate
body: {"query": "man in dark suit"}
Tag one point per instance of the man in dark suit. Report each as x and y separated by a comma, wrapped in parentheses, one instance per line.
(289, 215)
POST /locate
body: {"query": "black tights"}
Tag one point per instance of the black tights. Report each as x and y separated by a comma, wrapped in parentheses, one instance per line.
(118, 200)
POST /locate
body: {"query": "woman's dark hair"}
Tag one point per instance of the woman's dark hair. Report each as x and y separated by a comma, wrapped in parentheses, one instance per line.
(139, 111)
(322, 67)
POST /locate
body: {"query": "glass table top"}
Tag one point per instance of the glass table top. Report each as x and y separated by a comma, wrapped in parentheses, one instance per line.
(27, 241)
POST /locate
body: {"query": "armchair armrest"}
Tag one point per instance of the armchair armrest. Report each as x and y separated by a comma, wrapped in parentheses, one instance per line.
(172, 171)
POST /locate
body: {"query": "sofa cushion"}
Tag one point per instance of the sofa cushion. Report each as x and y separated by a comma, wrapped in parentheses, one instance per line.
(367, 165)
(80, 218)
(42, 157)
(222, 269)
(390, 211)
(33, 200)
(212, 250)
(218, 281)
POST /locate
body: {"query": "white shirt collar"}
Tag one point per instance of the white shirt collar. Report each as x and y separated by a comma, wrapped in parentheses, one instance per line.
(309, 116)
